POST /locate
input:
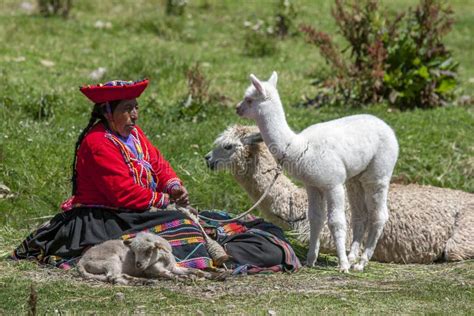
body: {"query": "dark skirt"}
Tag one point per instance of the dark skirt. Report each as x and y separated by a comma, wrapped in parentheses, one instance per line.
(255, 246)
(63, 239)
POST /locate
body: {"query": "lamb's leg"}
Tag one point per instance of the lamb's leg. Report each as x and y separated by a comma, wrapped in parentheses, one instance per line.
(337, 224)
(356, 197)
(137, 280)
(190, 271)
(376, 200)
(317, 218)
(108, 271)
(99, 274)
(114, 274)
(159, 271)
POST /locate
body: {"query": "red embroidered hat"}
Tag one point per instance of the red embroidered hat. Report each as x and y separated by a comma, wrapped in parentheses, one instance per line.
(114, 90)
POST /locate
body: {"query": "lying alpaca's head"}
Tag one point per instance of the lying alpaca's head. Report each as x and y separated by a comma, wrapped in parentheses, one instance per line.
(148, 249)
(232, 148)
(257, 95)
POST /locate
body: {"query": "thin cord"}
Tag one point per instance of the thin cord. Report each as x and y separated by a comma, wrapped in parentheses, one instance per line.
(277, 174)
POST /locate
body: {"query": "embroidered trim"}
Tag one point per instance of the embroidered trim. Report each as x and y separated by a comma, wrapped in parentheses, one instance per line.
(145, 167)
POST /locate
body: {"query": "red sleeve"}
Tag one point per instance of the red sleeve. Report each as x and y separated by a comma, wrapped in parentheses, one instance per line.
(112, 178)
(167, 177)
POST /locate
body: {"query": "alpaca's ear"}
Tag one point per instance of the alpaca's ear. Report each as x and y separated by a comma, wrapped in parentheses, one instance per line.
(257, 84)
(253, 138)
(273, 79)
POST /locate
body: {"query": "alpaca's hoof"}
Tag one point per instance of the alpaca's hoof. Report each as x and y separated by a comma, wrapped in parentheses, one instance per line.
(359, 267)
(310, 263)
(352, 259)
(311, 259)
(344, 268)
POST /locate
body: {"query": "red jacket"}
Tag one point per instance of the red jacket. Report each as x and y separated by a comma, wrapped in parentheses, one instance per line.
(109, 174)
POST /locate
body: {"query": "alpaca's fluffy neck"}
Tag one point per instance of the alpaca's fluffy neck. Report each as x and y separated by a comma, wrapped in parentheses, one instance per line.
(273, 126)
(257, 175)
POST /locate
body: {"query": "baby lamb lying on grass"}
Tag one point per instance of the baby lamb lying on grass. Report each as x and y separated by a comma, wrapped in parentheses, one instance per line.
(135, 260)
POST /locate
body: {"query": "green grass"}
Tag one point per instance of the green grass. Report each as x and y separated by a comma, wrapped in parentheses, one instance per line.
(437, 146)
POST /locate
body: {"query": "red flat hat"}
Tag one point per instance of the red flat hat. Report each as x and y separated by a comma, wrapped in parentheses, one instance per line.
(114, 90)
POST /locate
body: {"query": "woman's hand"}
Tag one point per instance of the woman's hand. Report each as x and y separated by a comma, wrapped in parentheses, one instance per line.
(180, 196)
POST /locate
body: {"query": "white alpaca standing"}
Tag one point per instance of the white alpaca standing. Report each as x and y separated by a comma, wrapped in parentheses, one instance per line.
(359, 151)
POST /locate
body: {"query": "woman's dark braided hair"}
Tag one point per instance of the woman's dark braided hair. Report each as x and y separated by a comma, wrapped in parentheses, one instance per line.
(96, 114)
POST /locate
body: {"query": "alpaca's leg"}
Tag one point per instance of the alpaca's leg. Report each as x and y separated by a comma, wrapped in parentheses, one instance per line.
(316, 217)
(356, 197)
(461, 244)
(376, 200)
(337, 223)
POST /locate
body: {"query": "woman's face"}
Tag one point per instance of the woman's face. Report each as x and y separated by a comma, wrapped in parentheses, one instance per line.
(124, 117)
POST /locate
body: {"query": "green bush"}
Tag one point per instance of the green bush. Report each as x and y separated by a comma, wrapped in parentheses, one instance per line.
(175, 7)
(402, 59)
(55, 7)
(259, 40)
(284, 18)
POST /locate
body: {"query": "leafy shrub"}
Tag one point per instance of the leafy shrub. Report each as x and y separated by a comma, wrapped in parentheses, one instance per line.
(400, 59)
(284, 18)
(260, 37)
(175, 7)
(259, 40)
(55, 7)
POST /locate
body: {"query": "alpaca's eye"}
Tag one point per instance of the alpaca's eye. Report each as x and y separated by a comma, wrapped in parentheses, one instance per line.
(228, 147)
(248, 100)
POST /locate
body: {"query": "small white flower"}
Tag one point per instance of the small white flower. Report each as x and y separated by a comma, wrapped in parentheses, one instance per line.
(99, 24)
(47, 63)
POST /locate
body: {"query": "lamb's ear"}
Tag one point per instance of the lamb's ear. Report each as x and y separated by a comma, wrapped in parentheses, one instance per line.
(127, 242)
(257, 84)
(160, 246)
(253, 138)
(273, 79)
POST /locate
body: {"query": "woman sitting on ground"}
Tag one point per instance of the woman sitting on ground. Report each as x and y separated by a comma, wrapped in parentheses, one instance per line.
(118, 176)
